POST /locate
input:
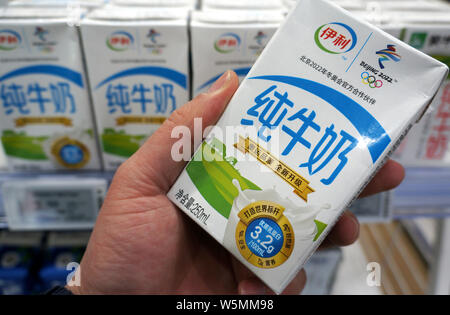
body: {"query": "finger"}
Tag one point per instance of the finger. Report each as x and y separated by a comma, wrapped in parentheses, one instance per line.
(389, 177)
(153, 161)
(254, 286)
(345, 232)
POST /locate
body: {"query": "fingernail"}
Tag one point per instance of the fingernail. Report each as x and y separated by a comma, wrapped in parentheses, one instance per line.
(250, 287)
(220, 82)
(355, 223)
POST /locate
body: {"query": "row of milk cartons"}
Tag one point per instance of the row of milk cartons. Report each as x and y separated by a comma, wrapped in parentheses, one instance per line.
(135, 65)
(130, 62)
(423, 24)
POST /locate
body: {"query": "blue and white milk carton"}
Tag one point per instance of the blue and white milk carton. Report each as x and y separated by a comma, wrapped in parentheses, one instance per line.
(139, 73)
(228, 39)
(319, 113)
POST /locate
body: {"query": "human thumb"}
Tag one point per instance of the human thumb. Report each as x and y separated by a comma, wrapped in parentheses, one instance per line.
(153, 165)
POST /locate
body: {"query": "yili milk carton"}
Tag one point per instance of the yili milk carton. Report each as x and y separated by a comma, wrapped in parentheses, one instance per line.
(46, 118)
(428, 143)
(320, 111)
(138, 70)
(228, 40)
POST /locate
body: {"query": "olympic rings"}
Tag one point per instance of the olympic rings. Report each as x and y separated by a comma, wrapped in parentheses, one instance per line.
(371, 80)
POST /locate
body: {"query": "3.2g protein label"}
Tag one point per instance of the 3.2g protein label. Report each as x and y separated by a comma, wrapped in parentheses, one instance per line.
(264, 236)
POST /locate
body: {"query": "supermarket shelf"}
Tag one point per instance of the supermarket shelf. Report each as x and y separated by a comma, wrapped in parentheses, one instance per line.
(53, 212)
(423, 244)
(425, 192)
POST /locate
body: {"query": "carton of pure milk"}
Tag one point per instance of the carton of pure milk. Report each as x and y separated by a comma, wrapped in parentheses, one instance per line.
(320, 111)
(228, 39)
(138, 70)
(46, 120)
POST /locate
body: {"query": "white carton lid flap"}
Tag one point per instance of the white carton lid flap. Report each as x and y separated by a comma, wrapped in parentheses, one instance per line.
(419, 5)
(56, 3)
(230, 16)
(243, 4)
(154, 3)
(350, 4)
(421, 18)
(137, 13)
(33, 13)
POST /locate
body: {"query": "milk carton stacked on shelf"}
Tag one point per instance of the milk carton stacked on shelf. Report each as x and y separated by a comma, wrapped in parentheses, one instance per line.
(46, 120)
(228, 39)
(18, 255)
(428, 144)
(319, 113)
(138, 70)
(63, 253)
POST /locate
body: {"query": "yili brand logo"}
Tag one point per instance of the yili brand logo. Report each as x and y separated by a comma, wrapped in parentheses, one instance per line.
(119, 41)
(9, 40)
(390, 53)
(41, 33)
(335, 38)
(227, 43)
(152, 34)
(260, 37)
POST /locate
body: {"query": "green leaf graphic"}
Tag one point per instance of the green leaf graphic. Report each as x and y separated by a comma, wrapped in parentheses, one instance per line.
(213, 176)
(20, 145)
(120, 143)
(320, 228)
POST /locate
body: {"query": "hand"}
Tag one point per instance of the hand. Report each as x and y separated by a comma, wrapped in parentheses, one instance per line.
(143, 244)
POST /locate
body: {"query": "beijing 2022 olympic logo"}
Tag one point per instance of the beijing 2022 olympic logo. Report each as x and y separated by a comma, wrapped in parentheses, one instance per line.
(371, 80)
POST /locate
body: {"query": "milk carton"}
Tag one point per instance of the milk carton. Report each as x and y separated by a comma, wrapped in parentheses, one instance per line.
(242, 4)
(18, 252)
(228, 40)
(320, 111)
(63, 253)
(428, 144)
(138, 71)
(46, 120)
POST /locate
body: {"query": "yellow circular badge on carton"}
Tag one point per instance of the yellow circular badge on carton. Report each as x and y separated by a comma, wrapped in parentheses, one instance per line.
(70, 153)
(264, 236)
